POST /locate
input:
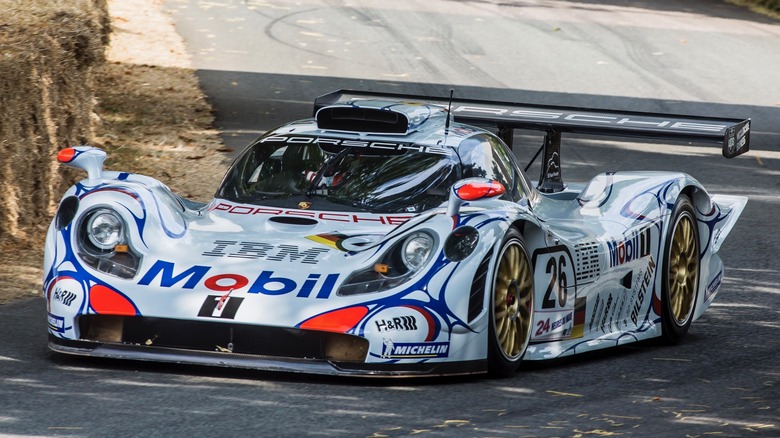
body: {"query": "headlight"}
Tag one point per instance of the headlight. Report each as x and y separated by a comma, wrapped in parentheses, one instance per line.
(398, 264)
(105, 229)
(104, 244)
(416, 249)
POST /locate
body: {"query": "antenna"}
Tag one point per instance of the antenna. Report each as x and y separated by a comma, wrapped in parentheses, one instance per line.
(449, 112)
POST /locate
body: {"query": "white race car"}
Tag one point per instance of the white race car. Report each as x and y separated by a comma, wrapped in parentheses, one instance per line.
(391, 236)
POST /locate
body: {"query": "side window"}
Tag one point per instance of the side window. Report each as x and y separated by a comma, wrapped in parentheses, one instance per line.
(504, 165)
(502, 169)
(486, 156)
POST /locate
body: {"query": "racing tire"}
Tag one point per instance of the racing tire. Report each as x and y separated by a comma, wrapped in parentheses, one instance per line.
(511, 306)
(682, 263)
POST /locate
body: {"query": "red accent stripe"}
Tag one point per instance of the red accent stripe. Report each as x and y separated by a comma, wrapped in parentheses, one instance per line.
(337, 321)
(107, 301)
(429, 319)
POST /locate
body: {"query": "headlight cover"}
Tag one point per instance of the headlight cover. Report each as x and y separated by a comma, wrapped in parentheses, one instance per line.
(103, 243)
(461, 243)
(416, 250)
(404, 259)
(105, 229)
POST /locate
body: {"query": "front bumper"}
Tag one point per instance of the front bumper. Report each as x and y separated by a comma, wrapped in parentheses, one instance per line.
(237, 345)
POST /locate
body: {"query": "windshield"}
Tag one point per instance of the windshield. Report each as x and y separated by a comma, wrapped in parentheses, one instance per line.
(338, 178)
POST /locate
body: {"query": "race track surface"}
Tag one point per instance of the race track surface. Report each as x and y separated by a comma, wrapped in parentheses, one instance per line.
(262, 63)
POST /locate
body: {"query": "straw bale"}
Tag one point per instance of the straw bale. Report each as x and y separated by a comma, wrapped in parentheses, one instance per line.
(48, 50)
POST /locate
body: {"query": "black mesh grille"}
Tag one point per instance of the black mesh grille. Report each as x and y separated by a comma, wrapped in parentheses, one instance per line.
(477, 295)
(362, 119)
(215, 336)
(587, 256)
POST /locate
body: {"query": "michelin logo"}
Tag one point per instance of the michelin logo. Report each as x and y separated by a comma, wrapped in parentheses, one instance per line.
(56, 323)
(421, 350)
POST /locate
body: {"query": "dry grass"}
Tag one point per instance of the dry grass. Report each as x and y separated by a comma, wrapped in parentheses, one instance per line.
(155, 121)
(150, 119)
(49, 51)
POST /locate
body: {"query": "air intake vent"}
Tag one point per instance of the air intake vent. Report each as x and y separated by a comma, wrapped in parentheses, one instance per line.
(477, 295)
(341, 118)
(587, 255)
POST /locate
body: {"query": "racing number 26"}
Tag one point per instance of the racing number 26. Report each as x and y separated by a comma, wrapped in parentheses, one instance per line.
(557, 269)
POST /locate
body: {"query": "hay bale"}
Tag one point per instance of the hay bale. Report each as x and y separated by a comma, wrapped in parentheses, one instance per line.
(48, 51)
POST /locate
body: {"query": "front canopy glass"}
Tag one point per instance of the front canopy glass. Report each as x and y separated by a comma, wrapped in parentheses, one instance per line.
(336, 176)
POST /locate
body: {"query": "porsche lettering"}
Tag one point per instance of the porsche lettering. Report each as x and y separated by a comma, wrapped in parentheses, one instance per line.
(637, 121)
(319, 215)
(165, 275)
(385, 145)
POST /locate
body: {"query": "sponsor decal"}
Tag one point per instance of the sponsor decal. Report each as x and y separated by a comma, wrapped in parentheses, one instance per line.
(224, 306)
(63, 296)
(63, 292)
(647, 279)
(414, 350)
(555, 327)
(737, 142)
(343, 242)
(167, 275)
(247, 210)
(560, 314)
(714, 285)
(579, 317)
(632, 247)
(554, 267)
(267, 251)
(559, 323)
(553, 170)
(604, 317)
(56, 323)
(619, 312)
(401, 323)
(596, 309)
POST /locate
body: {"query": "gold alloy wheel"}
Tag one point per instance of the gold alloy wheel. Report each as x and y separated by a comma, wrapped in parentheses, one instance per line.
(512, 301)
(683, 268)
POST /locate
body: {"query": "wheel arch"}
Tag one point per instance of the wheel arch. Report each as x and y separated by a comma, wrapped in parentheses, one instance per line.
(673, 328)
(702, 205)
(479, 297)
(508, 341)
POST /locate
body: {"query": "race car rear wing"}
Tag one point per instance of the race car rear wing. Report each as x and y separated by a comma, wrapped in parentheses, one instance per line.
(733, 135)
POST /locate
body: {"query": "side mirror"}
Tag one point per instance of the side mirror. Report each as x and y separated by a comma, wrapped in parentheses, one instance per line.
(84, 157)
(472, 189)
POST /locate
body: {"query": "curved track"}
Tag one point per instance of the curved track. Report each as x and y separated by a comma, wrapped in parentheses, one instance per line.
(262, 63)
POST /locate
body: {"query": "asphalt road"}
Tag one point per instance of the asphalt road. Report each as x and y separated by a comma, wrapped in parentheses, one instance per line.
(262, 63)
